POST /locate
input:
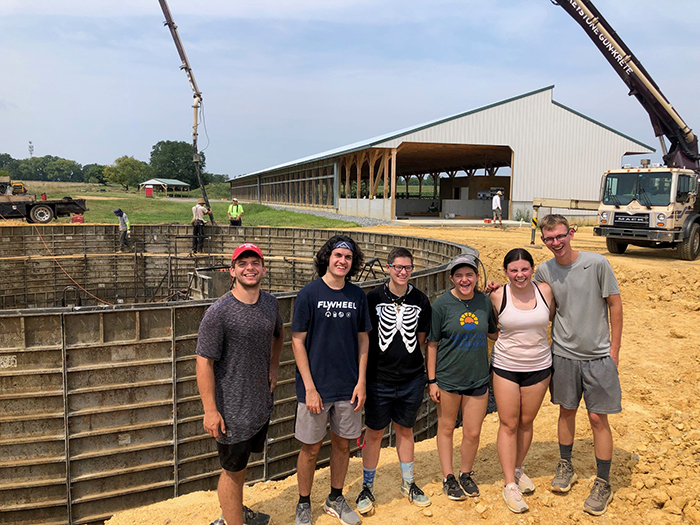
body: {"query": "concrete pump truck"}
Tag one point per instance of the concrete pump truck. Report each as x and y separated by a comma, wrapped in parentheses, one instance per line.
(654, 205)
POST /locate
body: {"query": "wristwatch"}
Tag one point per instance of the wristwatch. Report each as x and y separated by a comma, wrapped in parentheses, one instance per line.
(432, 381)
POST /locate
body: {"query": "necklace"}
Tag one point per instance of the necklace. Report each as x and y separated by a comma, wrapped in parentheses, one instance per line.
(465, 302)
(398, 302)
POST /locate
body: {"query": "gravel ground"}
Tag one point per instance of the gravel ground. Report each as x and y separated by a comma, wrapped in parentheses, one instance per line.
(362, 221)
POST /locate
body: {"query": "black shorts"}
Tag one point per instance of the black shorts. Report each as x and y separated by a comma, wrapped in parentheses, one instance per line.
(397, 403)
(524, 378)
(234, 458)
(474, 392)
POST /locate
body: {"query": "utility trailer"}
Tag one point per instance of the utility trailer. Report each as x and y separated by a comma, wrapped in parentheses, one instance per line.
(28, 207)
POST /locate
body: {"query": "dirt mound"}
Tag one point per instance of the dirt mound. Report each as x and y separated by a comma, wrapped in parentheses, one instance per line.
(656, 463)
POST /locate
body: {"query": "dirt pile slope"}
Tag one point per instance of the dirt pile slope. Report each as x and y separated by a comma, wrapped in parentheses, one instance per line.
(656, 464)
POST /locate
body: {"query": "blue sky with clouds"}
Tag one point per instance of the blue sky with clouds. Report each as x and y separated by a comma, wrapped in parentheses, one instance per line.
(94, 80)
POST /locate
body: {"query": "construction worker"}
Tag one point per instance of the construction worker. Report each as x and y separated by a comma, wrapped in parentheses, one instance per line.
(199, 210)
(235, 211)
(124, 230)
(497, 209)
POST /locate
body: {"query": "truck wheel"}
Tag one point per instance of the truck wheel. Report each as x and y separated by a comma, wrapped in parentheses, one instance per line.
(615, 246)
(689, 249)
(41, 213)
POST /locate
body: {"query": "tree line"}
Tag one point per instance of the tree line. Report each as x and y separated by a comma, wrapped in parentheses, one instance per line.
(169, 160)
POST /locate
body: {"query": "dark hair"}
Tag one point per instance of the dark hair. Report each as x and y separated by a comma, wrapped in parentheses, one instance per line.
(397, 252)
(517, 254)
(324, 255)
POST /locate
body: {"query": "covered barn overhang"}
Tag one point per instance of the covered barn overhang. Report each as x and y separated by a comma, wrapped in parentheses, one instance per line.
(414, 158)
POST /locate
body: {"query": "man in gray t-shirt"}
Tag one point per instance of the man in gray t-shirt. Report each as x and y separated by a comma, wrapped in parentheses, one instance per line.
(238, 353)
(586, 336)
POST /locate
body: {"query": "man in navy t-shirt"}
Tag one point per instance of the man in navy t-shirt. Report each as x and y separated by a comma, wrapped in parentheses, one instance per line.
(330, 339)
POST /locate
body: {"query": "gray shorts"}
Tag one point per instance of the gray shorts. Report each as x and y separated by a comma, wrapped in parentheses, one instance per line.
(596, 380)
(345, 422)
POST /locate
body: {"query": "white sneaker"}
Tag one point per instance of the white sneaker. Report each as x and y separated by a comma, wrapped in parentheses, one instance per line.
(514, 499)
(524, 483)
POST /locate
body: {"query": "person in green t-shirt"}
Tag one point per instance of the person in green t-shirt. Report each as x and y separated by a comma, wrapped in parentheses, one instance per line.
(235, 211)
(458, 370)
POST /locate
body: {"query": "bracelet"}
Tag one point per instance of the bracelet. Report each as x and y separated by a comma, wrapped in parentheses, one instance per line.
(432, 381)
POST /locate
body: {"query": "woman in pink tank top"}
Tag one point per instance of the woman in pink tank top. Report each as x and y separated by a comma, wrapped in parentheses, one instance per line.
(521, 363)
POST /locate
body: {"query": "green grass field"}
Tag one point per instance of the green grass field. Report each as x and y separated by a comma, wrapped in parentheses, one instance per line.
(102, 200)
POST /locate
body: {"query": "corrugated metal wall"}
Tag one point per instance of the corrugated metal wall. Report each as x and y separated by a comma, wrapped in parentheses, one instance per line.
(100, 410)
(557, 152)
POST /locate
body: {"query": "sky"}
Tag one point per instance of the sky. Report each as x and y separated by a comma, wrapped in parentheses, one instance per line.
(283, 79)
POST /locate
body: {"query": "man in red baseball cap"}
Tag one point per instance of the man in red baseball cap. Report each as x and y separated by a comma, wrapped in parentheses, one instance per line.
(242, 249)
(238, 354)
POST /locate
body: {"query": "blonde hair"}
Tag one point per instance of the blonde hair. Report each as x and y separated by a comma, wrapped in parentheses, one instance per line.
(551, 221)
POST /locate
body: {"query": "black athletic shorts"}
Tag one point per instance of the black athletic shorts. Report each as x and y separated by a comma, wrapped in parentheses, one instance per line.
(234, 458)
(524, 378)
(474, 392)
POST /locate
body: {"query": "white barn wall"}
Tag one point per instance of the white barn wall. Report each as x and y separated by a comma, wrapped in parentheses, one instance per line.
(557, 153)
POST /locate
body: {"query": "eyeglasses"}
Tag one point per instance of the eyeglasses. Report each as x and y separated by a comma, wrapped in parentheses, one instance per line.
(558, 238)
(400, 268)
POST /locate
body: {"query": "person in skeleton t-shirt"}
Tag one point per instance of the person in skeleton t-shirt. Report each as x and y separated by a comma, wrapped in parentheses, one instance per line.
(400, 315)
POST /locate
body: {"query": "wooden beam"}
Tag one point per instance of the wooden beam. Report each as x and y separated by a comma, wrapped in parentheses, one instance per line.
(372, 156)
(393, 184)
(381, 173)
(420, 184)
(358, 163)
(386, 173)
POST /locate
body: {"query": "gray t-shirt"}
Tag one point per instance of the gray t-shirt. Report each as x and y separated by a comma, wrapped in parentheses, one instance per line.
(238, 338)
(580, 329)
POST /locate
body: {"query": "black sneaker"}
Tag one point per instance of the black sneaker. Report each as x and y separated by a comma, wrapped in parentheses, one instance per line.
(450, 486)
(365, 501)
(414, 494)
(470, 488)
(250, 517)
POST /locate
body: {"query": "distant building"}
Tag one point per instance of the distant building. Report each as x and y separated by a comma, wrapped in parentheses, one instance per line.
(543, 149)
(169, 186)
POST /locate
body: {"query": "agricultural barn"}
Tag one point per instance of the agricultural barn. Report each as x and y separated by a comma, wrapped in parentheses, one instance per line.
(529, 147)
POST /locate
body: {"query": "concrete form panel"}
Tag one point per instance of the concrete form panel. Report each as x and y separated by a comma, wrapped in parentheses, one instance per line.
(99, 406)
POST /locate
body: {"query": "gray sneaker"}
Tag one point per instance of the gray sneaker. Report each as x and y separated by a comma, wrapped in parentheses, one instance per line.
(365, 501)
(341, 510)
(303, 514)
(414, 494)
(601, 495)
(565, 476)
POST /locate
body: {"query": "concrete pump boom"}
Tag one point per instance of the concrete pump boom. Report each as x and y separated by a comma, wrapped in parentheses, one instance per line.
(664, 118)
(197, 96)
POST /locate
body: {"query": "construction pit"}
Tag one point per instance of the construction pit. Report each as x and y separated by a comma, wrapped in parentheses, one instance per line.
(100, 409)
